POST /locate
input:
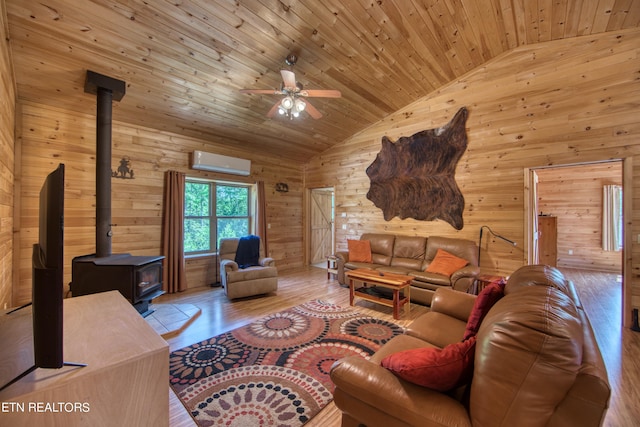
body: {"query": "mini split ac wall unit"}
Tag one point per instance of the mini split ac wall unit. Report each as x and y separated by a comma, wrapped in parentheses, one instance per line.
(219, 163)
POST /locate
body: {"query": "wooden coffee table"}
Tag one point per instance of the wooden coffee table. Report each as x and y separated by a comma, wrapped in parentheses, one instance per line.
(398, 283)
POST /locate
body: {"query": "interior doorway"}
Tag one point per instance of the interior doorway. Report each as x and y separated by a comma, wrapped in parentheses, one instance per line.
(573, 195)
(321, 224)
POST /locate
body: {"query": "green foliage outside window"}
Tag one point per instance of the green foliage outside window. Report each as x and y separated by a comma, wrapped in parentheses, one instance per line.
(197, 234)
(203, 225)
(232, 201)
(197, 214)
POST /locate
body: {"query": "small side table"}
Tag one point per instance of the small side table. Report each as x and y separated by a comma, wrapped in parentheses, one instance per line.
(332, 266)
(485, 279)
(398, 283)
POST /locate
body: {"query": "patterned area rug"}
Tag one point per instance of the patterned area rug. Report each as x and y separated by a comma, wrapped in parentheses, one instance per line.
(275, 371)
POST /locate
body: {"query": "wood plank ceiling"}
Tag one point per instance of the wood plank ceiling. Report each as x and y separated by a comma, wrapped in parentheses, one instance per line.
(184, 61)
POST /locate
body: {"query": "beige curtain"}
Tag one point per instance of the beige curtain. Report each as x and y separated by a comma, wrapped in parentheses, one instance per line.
(534, 219)
(612, 218)
(261, 217)
(174, 275)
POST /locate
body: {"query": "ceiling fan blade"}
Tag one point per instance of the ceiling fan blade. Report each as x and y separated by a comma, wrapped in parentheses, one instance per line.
(321, 93)
(264, 91)
(313, 111)
(273, 109)
(289, 79)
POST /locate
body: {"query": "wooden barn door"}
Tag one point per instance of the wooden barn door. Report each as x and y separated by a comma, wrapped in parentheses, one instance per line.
(321, 225)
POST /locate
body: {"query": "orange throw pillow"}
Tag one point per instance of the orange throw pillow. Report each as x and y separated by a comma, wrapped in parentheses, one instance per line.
(359, 250)
(445, 263)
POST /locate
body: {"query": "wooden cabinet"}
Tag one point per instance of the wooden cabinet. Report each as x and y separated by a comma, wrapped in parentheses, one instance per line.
(547, 240)
(125, 382)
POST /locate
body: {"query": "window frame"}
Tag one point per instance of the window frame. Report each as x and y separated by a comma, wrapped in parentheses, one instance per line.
(213, 217)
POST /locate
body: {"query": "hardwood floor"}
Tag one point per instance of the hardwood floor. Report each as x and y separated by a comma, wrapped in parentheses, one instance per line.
(600, 294)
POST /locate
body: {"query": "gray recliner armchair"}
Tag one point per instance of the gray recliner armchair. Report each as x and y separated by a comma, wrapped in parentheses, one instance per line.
(243, 282)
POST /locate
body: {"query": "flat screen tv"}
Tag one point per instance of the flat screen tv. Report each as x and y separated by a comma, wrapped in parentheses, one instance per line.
(48, 270)
(47, 280)
(47, 288)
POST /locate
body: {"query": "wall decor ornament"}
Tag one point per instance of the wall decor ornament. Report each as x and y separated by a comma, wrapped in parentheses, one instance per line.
(414, 177)
(282, 187)
(124, 170)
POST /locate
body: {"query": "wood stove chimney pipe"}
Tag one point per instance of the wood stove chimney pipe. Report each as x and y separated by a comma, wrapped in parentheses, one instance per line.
(107, 90)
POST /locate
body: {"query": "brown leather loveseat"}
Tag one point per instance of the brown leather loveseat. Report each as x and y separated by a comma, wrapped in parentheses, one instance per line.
(412, 255)
(536, 363)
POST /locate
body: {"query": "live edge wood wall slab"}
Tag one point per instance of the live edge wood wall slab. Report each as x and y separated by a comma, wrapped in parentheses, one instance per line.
(560, 102)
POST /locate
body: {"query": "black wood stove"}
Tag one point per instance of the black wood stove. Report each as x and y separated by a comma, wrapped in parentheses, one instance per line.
(138, 278)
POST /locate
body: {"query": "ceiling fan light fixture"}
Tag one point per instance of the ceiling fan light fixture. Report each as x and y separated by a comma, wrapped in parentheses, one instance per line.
(299, 105)
(293, 101)
(287, 103)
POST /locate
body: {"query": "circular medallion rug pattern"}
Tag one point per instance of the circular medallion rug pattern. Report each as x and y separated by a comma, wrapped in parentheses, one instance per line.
(274, 371)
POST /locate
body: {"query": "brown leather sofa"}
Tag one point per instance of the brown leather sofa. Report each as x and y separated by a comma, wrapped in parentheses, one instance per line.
(536, 363)
(411, 255)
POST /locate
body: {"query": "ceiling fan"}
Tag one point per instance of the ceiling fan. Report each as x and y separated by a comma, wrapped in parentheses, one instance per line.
(294, 95)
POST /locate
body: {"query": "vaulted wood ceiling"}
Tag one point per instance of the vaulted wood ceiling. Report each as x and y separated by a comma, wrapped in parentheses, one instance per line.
(184, 61)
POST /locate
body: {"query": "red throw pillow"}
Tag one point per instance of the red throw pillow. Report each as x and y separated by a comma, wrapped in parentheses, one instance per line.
(359, 250)
(439, 369)
(484, 301)
(445, 263)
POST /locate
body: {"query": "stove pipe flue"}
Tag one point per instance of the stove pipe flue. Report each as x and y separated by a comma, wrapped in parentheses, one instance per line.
(107, 90)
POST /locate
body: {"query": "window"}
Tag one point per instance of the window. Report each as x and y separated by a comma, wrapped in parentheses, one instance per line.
(213, 211)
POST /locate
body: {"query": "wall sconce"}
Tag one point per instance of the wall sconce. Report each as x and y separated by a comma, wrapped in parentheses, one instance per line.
(282, 187)
(511, 242)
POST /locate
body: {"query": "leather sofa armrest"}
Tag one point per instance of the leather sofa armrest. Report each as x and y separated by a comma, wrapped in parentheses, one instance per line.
(467, 271)
(267, 262)
(228, 265)
(377, 387)
(463, 280)
(342, 258)
(453, 303)
(342, 255)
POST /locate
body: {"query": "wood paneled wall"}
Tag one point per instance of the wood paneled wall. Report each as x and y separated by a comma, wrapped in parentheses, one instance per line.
(54, 135)
(574, 195)
(7, 177)
(560, 102)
